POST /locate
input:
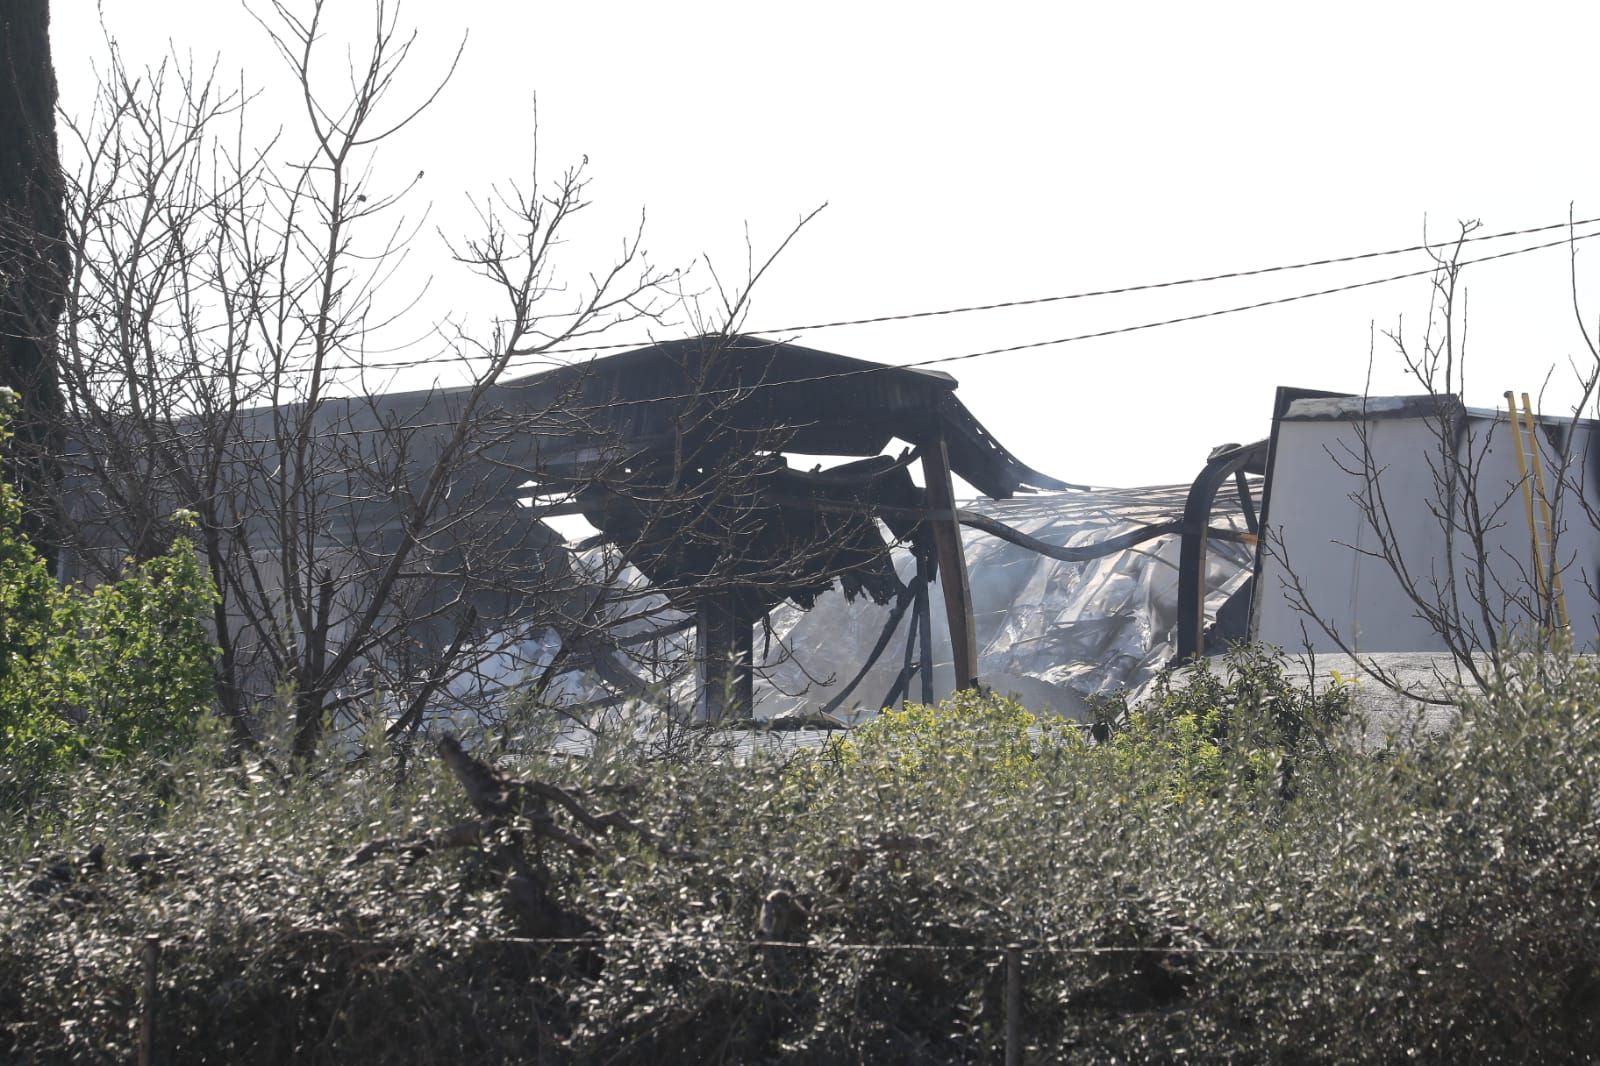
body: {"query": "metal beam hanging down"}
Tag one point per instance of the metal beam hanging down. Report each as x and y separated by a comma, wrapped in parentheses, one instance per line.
(1223, 464)
(724, 645)
(896, 612)
(924, 628)
(946, 528)
(902, 680)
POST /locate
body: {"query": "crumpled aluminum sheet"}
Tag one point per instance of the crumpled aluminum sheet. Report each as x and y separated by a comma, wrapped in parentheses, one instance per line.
(1052, 633)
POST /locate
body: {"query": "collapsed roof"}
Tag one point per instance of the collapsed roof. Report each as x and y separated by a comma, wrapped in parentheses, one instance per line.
(710, 396)
(679, 454)
(675, 453)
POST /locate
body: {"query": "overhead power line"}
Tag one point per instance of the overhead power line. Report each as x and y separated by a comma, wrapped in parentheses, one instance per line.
(402, 364)
(1098, 334)
(1152, 286)
(941, 360)
(1242, 307)
(1031, 301)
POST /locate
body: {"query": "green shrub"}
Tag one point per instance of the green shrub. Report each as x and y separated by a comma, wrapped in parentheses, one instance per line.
(95, 673)
(1430, 904)
(972, 737)
(274, 948)
(1210, 728)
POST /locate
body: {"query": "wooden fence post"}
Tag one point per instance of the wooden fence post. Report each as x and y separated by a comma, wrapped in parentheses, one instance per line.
(1013, 1005)
(147, 1008)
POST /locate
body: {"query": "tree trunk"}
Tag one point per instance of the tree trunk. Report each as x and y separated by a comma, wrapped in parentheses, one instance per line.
(33, 252)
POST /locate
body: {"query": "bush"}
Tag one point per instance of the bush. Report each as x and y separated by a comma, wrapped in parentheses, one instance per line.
(1431, 904)
(972, 736)
(95, 674)
(273, 947)
(1209, 727)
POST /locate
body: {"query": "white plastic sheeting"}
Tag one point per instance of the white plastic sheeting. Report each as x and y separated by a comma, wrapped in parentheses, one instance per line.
(1050, 632)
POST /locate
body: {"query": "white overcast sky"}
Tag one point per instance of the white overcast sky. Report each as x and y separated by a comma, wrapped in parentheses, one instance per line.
(982, 153)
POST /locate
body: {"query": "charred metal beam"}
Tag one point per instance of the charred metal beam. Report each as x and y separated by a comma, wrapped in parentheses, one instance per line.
(1247, 502)
(952, 563)
(896, 612)
(1082, 553)
(1079, 554)
(1224, 464)
(724, 643)
(925, 627)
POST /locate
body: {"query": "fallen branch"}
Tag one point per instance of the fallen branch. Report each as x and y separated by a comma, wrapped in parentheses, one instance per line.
(465, 835)
(508, 812)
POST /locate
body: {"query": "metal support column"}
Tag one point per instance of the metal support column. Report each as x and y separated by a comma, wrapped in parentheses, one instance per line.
(1223, 464)
(724, 646)
(952, 563)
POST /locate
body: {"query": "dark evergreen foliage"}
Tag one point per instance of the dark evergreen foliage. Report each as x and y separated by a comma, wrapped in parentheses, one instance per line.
(33, 255)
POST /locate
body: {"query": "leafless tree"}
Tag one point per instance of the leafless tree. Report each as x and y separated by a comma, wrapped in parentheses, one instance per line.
(223, 353)
(217, 356)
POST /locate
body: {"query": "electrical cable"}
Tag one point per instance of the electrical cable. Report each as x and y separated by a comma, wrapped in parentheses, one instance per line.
(1095, 335)
(402, 364)
(1089, 294)
(941, 360)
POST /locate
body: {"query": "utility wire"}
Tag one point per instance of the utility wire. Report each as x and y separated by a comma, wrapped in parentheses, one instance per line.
(1027, 948)
(1090, 294)
(1025, 945)
(1174, 284)
(1244, 307)
(401, 364)
(1095, 335)
(938, 360)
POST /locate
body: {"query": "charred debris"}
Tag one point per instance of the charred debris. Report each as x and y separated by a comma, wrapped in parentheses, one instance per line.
(734, 474)
(679, 456)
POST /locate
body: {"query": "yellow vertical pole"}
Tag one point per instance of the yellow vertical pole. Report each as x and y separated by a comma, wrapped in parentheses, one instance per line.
(1557, 596)
(1527, 499)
